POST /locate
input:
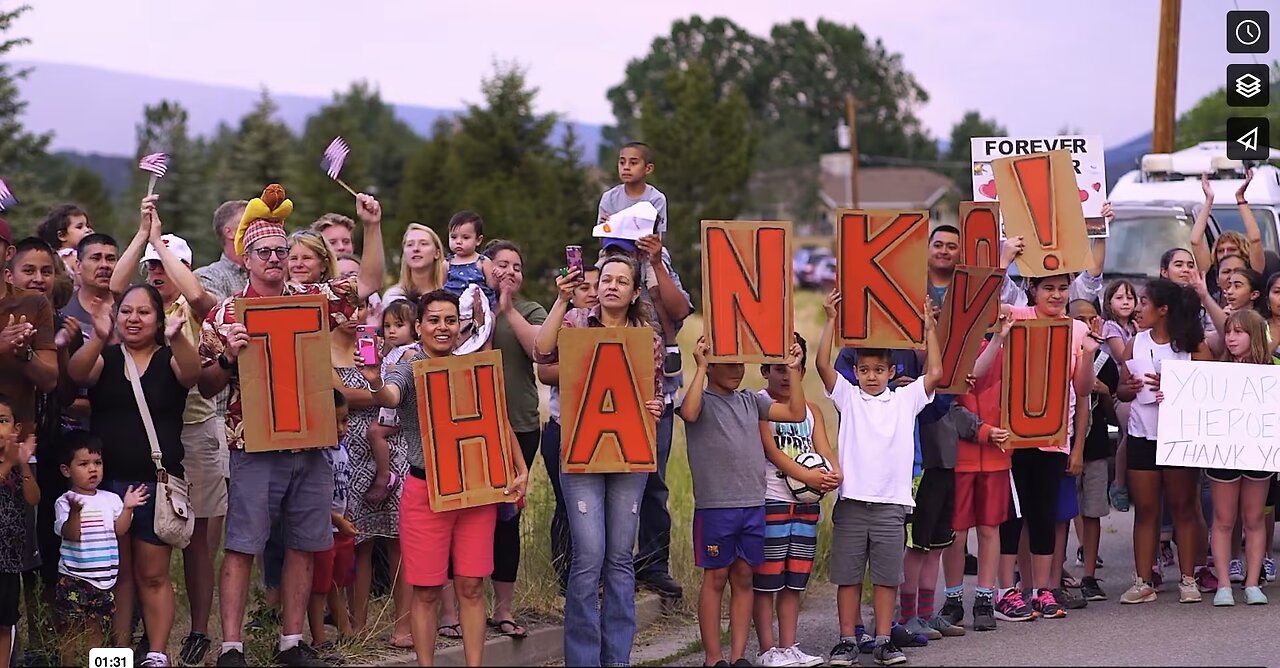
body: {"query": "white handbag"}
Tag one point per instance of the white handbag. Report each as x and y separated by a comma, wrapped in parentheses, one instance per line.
(174, 520)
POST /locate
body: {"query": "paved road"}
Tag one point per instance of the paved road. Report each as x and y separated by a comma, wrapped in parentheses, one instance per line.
(1163, 633)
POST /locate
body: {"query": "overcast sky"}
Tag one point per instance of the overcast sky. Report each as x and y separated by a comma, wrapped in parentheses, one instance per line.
(1034, 66)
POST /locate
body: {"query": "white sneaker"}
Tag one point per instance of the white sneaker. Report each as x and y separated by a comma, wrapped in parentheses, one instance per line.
(775, 658)
(799, 658)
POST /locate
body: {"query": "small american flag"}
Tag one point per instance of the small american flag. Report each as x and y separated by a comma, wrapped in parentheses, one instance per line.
(156, 163)
(333, 158)
(7, 200)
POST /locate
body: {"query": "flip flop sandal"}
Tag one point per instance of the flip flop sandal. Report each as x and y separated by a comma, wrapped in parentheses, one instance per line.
(509, 628)
(450, 631)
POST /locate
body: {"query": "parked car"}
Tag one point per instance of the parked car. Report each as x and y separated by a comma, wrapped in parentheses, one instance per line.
(805, 262)
(824, 274)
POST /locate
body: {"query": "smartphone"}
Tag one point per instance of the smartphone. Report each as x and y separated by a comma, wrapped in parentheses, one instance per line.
(367, 346)
(573, 257)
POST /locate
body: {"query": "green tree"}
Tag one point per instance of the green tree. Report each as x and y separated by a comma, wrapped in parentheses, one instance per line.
(186, 202)
(84, 187)
(380, 148)
(703, 149)
(21, 152)
(1207, 120)
(262, 153)
(960, 154)
(423, 197)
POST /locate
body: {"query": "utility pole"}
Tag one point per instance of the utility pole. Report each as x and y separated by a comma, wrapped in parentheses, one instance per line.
(1166, 76)
(850, 106)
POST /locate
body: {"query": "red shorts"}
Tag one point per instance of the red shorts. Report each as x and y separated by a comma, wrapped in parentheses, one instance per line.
(335, 566)
(982, 499)
(428, 539)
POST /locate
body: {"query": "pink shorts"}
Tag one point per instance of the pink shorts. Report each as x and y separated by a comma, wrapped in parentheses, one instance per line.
(428, 539)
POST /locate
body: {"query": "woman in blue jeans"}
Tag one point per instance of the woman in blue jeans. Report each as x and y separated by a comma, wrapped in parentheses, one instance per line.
(602, 507)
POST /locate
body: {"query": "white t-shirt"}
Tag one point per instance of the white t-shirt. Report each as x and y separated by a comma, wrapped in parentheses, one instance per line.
(95, 558)
(876, 440)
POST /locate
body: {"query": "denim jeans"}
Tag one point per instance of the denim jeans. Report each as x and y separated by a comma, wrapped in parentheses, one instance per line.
(561, 539)
(654, 552)
(603, 510)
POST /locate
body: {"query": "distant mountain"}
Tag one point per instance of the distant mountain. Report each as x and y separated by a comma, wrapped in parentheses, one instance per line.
(94, 110)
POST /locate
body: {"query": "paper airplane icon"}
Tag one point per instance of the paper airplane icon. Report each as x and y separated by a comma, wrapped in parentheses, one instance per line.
(1248, 86)
(1249, 140)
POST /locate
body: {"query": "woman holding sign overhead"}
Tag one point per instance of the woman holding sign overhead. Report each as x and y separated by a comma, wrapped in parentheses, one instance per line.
(1169, 315)
(428, 539)
(602, 506)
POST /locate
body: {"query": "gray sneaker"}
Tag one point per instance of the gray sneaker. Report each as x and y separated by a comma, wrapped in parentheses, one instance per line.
(946, 628)
(917, 626)
(888, 654)
(844, 653)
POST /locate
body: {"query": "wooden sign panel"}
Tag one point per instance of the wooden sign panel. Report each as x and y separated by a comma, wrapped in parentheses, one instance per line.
(980, 234)
(1035, 381)
(881, 266)
(286, 374)
(746, 290)
(606, 376)
(1040, 203)
(466, 437)
(971, 307)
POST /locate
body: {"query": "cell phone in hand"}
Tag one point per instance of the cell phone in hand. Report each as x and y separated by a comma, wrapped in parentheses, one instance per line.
(573, 257)
(366, 345)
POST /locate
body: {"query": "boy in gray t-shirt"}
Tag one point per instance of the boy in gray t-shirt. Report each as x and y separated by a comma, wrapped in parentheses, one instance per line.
(727, 460)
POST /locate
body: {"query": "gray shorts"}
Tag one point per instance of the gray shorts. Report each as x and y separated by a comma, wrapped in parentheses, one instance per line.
(865, 533)
(205, 463)
(1091, 488)
(294, 488)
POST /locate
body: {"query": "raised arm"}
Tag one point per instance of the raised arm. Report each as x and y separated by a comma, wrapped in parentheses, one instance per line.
(86, 365)
(1257, 254)
(385, 395)
(822, 361)
(691, 407)
(549, 334)
(526, 332)
(1217, 314)
(199, 299)
(795, 409)
(933, 365)
(127, 264)
(1199, 249)
(373, 259)
(1098, 258)
(989, 354)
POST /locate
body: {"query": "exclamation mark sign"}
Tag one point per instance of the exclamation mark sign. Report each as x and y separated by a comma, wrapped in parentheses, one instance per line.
(1035, 183)
(1039, 201)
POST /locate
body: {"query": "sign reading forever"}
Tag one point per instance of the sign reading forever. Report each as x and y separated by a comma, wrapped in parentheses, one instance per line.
(286, 375)
(880, 259)
(466, 437)
(1036, 379)
(1219, 415)
(746, 290)
(606, 376)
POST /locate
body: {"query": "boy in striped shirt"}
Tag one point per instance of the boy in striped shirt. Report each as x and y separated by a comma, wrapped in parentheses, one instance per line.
(90, 522)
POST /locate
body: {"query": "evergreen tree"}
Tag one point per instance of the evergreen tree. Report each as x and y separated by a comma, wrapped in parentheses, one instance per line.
(186, 204)
(21, 152)
(261, 154)
(960, 153)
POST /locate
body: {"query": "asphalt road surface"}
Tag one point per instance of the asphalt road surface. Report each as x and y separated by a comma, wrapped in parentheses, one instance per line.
(1162, 633)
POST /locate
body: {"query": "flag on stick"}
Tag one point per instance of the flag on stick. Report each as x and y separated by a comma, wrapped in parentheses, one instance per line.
(332, 162)
(156, 165)
(7, 199)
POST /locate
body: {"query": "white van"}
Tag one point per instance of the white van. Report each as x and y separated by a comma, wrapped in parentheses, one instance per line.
(1156, 205)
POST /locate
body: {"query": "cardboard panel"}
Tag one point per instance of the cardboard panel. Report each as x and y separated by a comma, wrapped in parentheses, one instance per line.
(746, 290)
(971, 307)
(1035, 382)
(980, 234)
(883, 278)
(1039, 201)
(466, 437)
(286, 374)
(606, 375)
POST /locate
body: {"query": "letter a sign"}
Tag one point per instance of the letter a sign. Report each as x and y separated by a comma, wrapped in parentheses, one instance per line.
(606, 375)
(746, 290)
(466, 437)
(882, 277)
(286, 375)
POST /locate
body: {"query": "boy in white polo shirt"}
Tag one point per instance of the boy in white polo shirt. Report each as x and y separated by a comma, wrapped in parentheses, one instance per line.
(876, 446)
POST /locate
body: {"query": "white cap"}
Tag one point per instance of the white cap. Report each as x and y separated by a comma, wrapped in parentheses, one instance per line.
(175, 243)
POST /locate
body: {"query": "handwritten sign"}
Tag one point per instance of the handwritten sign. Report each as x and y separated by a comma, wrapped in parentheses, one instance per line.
(462, 407)
(1219, 415)
(606, 375)
(286, 375)
(1088, 162)
(881, 259)
(970, 308)
(746, 290)
(1035, 382)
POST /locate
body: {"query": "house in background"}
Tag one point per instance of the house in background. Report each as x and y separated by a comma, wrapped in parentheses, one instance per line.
(906, 188)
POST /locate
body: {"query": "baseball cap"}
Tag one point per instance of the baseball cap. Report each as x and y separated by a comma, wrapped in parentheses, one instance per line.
(625, 245)
(6, 235)
(177, 244)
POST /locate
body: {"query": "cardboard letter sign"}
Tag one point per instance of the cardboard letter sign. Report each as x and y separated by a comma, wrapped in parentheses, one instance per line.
(746, 290)
(466, 438)
(882, 277)
(971, 307)
(980, 234)
(1039, 202)
(606, 375)
(286, 374)
(1035, 382)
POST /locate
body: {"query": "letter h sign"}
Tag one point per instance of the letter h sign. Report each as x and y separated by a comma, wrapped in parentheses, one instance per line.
(466, 436)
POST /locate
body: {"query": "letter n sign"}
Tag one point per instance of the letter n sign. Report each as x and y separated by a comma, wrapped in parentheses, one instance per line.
(606, 375)
(286, 374)
(466, 436)
(746, 290)
(880, 259)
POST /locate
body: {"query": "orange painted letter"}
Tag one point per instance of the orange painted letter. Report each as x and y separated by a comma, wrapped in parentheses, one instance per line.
(1035, 383)
(279, 328)
(746, 290)
(612, 412)
(1040, 201)
(456, 427)
(970, 308)
(980, 234)
(882, 277)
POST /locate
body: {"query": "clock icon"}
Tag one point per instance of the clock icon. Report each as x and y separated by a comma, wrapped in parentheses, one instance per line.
(1248, 31)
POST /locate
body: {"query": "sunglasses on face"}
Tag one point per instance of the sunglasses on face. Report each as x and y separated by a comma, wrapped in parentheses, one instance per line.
(265, 254)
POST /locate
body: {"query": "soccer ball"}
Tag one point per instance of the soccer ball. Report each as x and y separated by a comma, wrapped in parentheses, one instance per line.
(804, 493)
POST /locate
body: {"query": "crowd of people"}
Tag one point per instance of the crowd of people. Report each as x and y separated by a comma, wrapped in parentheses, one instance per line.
(119, 378)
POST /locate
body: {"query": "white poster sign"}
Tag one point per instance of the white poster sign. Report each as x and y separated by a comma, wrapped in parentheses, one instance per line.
(1219, 415)
(1087, 157)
